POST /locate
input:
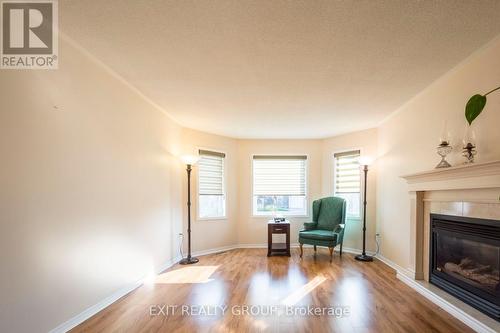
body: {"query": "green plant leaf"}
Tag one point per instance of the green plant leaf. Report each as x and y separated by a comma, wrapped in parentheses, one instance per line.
(474, 107)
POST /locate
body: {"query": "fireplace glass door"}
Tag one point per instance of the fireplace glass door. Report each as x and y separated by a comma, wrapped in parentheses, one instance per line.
(465, 260)
(471, 262)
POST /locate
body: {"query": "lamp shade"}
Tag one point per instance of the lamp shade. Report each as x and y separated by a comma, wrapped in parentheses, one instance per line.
(365, 160)
(190, 159)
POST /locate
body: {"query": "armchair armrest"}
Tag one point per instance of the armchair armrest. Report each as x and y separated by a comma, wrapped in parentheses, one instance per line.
(339, 228)
(339, 231)
(309, 225)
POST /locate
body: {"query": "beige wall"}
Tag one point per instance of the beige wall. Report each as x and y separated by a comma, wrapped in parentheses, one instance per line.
(220, 232)
(90, 194)
(366, 141)
(407, 141)
(253, 230)
(240, 227)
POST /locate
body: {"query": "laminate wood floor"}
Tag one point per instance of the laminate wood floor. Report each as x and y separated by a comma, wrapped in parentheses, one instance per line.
(245, 291)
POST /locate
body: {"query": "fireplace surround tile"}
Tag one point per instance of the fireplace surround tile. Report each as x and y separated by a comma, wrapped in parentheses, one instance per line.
(447, 207)
(482, 210)
(452, 208)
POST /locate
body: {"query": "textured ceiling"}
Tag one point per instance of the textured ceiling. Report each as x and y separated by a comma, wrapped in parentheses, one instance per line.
(280, 69)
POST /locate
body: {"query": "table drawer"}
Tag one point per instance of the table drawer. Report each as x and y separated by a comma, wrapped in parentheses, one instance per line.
(279, 229)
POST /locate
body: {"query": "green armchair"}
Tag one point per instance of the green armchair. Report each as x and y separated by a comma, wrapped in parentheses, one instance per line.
(327, 228)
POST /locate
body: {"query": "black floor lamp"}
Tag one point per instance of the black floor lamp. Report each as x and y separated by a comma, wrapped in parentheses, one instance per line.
(189, 160)
(365, 161)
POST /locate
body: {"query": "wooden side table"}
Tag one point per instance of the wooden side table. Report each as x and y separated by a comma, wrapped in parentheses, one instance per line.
(278, 228)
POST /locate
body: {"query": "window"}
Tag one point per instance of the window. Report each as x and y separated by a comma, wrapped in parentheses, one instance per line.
(347, 181)
(279, 185)
(211, 188)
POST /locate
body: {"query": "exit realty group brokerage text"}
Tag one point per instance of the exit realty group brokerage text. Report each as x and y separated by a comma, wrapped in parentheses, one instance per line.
(248, 310)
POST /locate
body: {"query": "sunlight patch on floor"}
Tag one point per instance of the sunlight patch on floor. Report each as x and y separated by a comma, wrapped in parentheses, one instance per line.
(300, 293)
(355, 292)
(191, 274)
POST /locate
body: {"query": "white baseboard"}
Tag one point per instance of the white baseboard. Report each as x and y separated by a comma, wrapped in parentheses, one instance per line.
(294, 245)
(89, 312)
(399, 270)
(252, 246)
(214, 250)
(94, 309)
(407, 276)
(356, 251)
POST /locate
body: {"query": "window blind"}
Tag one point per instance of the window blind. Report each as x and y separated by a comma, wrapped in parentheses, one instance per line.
(347, 175)
(211, 173)
(279, 175)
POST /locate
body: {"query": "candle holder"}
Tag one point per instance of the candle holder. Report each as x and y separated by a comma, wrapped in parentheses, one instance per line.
(443, 149)
(469, 144)
(469, 151)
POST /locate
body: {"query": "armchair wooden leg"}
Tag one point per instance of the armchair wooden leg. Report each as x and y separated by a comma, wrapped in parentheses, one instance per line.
(331, 251)
(301, 250)
(340, 248)
(314, 248)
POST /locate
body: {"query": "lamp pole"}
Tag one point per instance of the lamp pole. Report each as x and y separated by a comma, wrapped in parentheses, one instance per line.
(363, 256)
(189, 259)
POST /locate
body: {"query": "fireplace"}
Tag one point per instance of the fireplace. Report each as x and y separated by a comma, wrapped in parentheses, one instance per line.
(465, 259)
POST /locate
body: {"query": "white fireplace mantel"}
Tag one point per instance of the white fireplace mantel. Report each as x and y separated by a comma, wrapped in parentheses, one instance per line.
(469, 176)
(473, 190)
(477, 176)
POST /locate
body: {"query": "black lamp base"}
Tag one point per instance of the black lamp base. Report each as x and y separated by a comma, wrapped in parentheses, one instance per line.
(363, 257)
(189, 261)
